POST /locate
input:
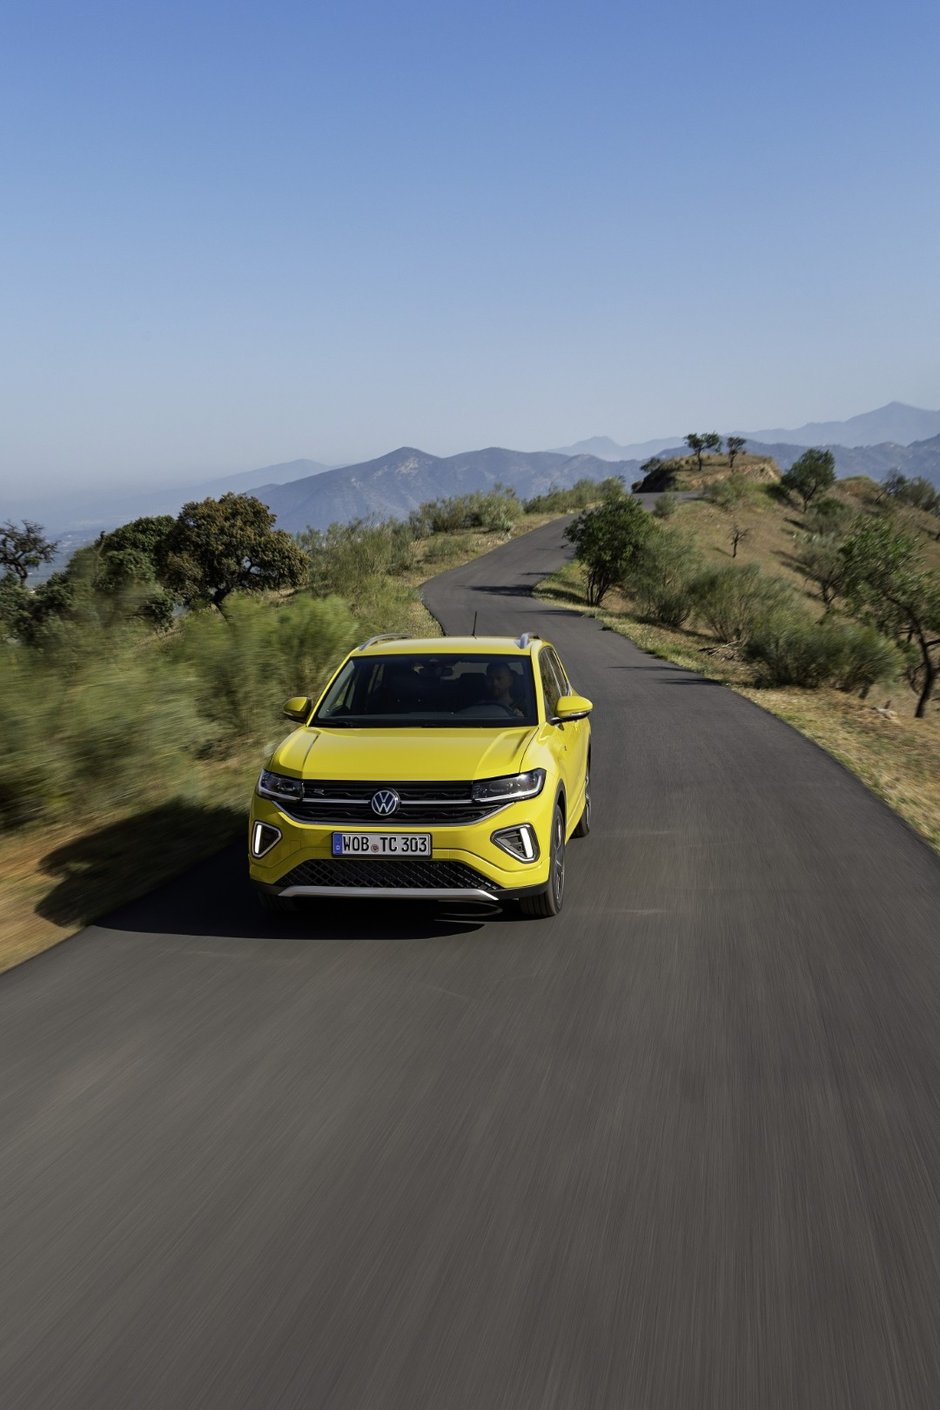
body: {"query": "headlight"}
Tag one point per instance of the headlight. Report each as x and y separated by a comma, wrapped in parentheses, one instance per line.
(509, 789)
(279, 787)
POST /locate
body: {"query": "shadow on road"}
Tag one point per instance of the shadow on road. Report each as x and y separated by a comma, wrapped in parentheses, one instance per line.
(129, 856)
(214, 898)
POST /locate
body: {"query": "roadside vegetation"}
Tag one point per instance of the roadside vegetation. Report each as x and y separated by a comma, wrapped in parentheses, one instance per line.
(142, 686)
(818, 599)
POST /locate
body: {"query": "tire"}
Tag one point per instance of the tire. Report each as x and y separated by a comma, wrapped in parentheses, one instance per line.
(275, 905)
(583, 825)
(550, 901)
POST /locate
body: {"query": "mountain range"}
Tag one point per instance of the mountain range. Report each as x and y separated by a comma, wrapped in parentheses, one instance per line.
(394, 484)
(305, 493)
(895, 423)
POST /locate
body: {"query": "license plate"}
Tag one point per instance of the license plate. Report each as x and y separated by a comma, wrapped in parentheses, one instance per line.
(381, 844)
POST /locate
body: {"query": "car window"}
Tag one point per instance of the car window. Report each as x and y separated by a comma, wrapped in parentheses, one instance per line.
(476, 689)
(552, 687)
(560, 671)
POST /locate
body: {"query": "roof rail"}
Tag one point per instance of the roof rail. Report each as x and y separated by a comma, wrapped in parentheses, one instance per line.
(384, 636)
(523, 641)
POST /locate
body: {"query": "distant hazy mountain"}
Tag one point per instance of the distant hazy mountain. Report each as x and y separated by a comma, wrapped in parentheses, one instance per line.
(86, 513)
(605, 449)
(895, 423)
(398, 482)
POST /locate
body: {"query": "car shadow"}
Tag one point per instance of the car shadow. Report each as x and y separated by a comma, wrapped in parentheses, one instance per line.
(129, 856)
(212, 896)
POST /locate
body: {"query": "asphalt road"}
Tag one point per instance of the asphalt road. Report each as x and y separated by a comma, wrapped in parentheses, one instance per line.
(678, 1148)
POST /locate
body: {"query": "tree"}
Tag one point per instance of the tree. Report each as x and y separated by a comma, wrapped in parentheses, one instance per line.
(814, 472)
(608, 540)
(732, 496)
(820, 558)
(124, 567)
(696, 444)
(735, 446)
(22, 550)
(218, 546)
(886, 583)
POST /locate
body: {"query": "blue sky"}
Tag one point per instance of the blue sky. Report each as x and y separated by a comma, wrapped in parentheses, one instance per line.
(237, 233)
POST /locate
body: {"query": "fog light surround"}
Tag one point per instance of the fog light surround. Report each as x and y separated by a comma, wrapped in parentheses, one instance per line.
(520, 842)
(264, 836)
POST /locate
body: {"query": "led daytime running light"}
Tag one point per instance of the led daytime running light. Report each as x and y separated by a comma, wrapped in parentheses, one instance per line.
(509, 789)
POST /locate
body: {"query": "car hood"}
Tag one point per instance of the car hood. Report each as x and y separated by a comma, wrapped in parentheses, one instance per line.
(415, 754)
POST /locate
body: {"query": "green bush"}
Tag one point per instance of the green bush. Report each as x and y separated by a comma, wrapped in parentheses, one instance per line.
(868, 658)
(344, 556)
(813, 654)
(98, 729)
(245, 665)
(732, 601)
(495, 511)
(581, 494)
(661, 581)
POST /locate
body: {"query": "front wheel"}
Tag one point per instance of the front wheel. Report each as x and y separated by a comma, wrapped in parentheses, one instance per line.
(549, 902)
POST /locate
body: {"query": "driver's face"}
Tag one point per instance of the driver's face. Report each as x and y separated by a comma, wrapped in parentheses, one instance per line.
(499, 681)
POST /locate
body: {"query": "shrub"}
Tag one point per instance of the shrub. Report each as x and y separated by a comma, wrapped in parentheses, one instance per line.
(666, 505)
(732, 601)
(811, 654)
(581, 494)
(868, 658)
(661, 581)
(116, 726)
(494, 511)
(344, 556)
(246, 665)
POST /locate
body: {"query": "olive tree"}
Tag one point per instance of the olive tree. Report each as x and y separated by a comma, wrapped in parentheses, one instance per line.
(812, 474)
(23, 549)
(218, 546)
(608, 540)
(886, 583)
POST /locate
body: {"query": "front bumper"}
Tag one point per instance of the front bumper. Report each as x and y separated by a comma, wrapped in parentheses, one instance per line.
(465, 863)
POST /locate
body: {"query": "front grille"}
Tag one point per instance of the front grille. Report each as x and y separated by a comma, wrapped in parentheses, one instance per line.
(417, 873)
(443, 804)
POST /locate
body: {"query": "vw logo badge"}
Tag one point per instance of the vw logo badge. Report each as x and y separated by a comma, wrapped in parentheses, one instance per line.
(385, 802)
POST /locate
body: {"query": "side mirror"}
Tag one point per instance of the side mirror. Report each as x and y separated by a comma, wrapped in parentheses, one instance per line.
(573, 707)
(298, 708)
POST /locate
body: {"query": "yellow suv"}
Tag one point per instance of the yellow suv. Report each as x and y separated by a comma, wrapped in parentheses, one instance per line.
(445, 769)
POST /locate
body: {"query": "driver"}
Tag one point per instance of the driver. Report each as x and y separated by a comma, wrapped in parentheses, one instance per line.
(499, 683)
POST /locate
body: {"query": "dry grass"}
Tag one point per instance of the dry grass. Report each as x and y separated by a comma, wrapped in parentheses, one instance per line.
(55, 880)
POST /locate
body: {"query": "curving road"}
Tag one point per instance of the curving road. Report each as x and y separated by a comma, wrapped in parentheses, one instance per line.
(678, 1150)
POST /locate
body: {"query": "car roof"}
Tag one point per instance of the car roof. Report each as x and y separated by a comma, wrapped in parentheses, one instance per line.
(450, 646)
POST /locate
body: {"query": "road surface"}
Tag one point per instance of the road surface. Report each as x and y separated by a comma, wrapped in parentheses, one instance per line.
(677, 1150)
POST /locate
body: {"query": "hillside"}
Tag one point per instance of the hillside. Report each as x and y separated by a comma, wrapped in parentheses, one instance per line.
(922, 458)
(874, 733)
(681, 472)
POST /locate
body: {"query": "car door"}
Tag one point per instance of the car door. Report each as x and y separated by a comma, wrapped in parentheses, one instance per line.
(577, 735)
(564, 739)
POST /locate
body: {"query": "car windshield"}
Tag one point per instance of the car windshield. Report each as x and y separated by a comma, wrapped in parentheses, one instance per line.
(425, 691)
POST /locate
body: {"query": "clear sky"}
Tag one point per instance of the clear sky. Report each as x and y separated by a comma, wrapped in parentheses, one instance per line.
(240, 233)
